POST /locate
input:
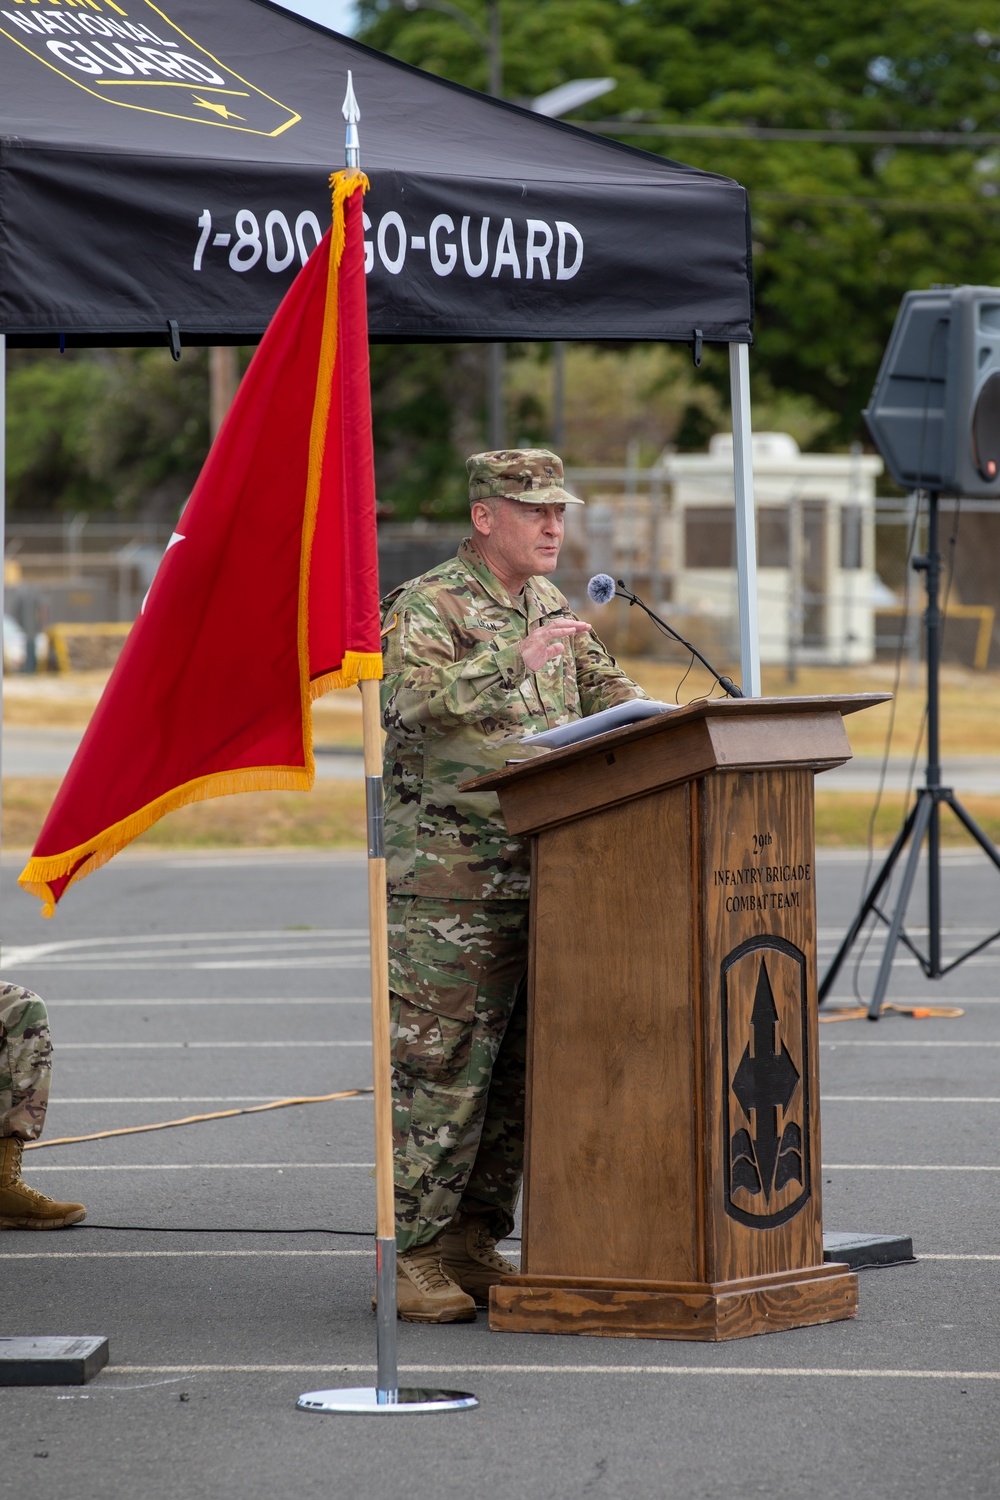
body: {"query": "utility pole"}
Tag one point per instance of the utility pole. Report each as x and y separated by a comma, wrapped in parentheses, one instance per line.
(223, 379)
(558, 101)
(497, 356)
(491, 41)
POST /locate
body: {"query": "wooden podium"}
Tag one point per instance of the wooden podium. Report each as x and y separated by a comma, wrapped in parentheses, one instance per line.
(672, 1168)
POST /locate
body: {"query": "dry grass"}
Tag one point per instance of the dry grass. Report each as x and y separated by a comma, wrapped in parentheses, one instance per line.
(970, 702)
(67, 702)
(842, 819)
(332, 816)
(52, 702)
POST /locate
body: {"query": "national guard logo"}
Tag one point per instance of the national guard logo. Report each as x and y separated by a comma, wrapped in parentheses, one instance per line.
(765, 1061)
(134, 56)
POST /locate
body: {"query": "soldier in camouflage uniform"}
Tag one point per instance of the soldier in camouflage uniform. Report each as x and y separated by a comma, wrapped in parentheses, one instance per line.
(25, 1070)
(479, 652)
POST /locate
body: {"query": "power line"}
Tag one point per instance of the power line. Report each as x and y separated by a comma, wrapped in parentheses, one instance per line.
(769, 133)
(889, 205)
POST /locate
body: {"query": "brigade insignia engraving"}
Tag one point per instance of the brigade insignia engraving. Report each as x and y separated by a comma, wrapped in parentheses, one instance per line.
(765, 1042)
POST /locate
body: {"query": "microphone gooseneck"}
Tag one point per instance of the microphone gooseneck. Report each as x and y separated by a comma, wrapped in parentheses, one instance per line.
(602, 589)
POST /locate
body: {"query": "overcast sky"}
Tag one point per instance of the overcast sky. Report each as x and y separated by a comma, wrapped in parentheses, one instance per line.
(337, 14)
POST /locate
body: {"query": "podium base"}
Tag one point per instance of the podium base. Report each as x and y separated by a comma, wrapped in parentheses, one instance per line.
(707, 1313)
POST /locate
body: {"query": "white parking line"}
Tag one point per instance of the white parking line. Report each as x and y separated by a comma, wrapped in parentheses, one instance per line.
(188, 1099)
(910, 1099)
(512, 1254)
(833, 1042)
(753, 1371)
(961, 1002)
(200, 1046)
(209, 1166)
(830, 1166)
(922, 1256)
(287, 948)
(175, 1254)
(905, 962)
(324, 961)
(324, 1166)
(925, 999)
(27, 952)
(282, 1002)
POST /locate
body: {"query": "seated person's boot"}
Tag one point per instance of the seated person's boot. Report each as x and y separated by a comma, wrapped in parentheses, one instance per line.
(22, 1207)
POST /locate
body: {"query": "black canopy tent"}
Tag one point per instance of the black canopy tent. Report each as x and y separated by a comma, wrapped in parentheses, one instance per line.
(163, 175)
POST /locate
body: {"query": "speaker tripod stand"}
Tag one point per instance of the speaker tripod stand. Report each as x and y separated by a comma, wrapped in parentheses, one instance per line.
(922, 822)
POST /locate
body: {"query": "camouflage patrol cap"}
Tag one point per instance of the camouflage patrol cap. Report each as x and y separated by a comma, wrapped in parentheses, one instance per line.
(533, 475)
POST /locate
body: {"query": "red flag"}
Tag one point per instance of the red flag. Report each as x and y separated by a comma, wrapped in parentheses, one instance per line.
(266, 597)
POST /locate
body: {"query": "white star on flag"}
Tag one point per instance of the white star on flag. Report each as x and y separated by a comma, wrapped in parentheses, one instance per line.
(174, 539)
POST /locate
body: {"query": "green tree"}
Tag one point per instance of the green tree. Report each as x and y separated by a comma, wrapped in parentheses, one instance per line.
(109, 429)
(841, 230)
(149, 437)
(427, 404)
(48, 410)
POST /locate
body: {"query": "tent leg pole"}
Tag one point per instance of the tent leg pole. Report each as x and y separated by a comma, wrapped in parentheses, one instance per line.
(746, 531)
(496, 358)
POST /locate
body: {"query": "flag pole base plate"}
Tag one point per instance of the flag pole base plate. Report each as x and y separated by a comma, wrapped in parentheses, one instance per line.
(369, 1400)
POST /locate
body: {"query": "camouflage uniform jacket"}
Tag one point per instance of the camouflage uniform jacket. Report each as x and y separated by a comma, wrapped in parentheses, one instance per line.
(456, 700)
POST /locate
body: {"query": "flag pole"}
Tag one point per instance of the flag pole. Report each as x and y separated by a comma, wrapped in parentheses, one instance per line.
(386, 1395)
(378, 936)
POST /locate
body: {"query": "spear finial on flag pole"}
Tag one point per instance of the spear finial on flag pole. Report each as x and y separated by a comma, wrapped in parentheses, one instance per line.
(385, 1395)
(352, 114)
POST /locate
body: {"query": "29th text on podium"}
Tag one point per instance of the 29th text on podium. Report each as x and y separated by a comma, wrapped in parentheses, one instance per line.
(672, 1162)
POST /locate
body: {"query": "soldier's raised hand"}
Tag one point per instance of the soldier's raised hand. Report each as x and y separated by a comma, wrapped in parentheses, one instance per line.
(546, 643)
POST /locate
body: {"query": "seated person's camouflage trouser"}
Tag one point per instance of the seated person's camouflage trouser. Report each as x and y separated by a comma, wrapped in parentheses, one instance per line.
(25, 1063)
(457, 976)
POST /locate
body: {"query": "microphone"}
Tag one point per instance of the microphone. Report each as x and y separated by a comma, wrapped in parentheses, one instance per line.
(602, 589)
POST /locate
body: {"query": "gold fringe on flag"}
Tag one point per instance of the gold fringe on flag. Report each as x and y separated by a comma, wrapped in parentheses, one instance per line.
(356, 665)
(42, 869)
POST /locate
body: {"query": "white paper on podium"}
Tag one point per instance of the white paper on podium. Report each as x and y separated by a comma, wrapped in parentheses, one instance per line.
(632, 712)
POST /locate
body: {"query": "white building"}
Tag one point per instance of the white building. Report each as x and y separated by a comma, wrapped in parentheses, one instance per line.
(815, 545)
(673, 531)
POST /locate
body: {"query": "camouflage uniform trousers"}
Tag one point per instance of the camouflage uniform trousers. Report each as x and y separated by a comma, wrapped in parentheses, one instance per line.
(457, 976)
(25, 1063)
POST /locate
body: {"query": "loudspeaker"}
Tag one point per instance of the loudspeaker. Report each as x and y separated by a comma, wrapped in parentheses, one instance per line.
(934, 412)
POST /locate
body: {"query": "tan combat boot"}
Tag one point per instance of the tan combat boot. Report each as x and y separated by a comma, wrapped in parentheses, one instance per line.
(21, 1207)
(425, 1293)
(469, 1254)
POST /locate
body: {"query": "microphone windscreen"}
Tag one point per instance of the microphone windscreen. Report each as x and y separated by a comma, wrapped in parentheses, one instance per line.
(601, 588)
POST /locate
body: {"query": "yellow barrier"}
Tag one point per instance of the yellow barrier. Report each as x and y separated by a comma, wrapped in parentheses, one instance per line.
(85, 647)
(984, 613)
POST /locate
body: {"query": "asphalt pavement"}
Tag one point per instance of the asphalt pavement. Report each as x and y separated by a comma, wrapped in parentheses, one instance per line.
(181, 985)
